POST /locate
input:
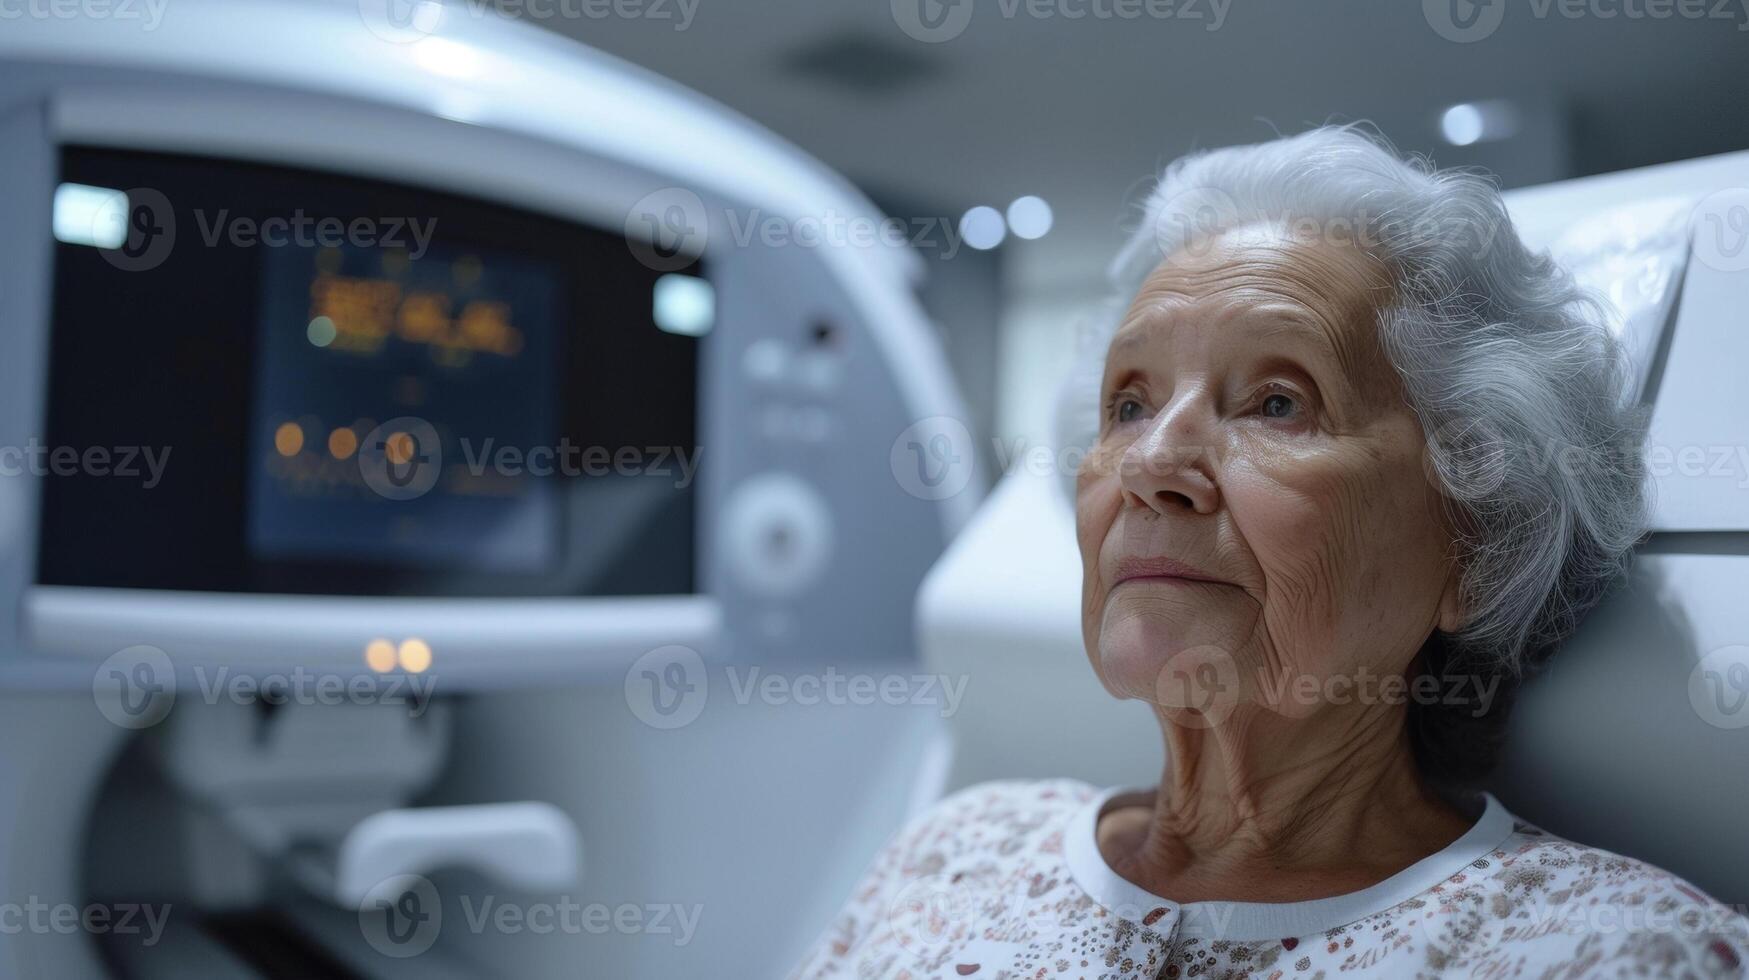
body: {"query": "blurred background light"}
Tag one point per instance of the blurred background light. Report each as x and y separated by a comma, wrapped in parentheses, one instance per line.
(86, 215)
(1468, 123)
(1030, 217)
(685, 305)
(982, 227)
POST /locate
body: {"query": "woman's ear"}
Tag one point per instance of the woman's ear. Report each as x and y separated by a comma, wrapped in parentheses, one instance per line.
(1451, 602)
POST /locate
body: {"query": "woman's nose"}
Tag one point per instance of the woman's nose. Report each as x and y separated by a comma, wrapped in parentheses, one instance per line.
(1168, 467)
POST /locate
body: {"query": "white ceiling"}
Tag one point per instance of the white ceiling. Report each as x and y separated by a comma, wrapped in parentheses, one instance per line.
(1082, 111)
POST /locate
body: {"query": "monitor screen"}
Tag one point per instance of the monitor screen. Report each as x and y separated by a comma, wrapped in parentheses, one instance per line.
(455, 343)
(353, 387)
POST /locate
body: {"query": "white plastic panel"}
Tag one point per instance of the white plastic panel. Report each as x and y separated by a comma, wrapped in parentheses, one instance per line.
(1620, 232)
(472, 641)
(1698, 449)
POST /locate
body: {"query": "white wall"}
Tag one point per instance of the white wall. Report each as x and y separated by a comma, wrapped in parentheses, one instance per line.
(1039, 338)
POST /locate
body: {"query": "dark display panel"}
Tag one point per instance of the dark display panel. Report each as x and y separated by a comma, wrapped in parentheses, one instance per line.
(353, 387)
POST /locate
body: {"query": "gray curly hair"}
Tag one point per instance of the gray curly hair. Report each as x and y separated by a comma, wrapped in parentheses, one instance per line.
(1523, 392)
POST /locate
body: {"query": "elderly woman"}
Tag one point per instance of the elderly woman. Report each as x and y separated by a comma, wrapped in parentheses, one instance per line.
(1317, 540)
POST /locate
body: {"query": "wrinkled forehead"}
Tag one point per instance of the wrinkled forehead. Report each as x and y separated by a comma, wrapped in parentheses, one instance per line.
(1259, 278)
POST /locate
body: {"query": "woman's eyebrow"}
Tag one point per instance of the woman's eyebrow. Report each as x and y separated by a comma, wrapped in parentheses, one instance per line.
(1264, 322)
(1294, 326)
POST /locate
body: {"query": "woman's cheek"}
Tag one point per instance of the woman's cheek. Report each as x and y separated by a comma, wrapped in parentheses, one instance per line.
(1285, 511)
(1098, 498)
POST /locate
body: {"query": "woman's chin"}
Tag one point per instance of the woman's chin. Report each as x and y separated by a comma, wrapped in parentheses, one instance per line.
(1166, 662)
(1134, 653)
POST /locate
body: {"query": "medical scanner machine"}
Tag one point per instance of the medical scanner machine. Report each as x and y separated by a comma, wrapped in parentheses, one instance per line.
(1637, 738)
(403, 449)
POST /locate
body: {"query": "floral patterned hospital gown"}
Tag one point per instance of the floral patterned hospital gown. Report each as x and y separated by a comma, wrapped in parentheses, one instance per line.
(1005, 880)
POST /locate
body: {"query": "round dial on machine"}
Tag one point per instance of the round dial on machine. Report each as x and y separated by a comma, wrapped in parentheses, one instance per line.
(776, 534)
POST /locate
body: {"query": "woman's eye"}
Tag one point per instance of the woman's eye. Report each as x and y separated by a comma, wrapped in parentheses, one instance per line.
(1128, 410)
(1279, 406)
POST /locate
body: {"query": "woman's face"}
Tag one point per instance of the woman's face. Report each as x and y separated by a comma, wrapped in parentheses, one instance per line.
(1252, 431)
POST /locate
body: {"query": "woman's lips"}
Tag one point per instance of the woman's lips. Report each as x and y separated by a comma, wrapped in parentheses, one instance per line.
(1161, 569)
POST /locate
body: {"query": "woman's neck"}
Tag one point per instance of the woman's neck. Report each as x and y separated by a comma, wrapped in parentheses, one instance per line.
(1263, 808)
